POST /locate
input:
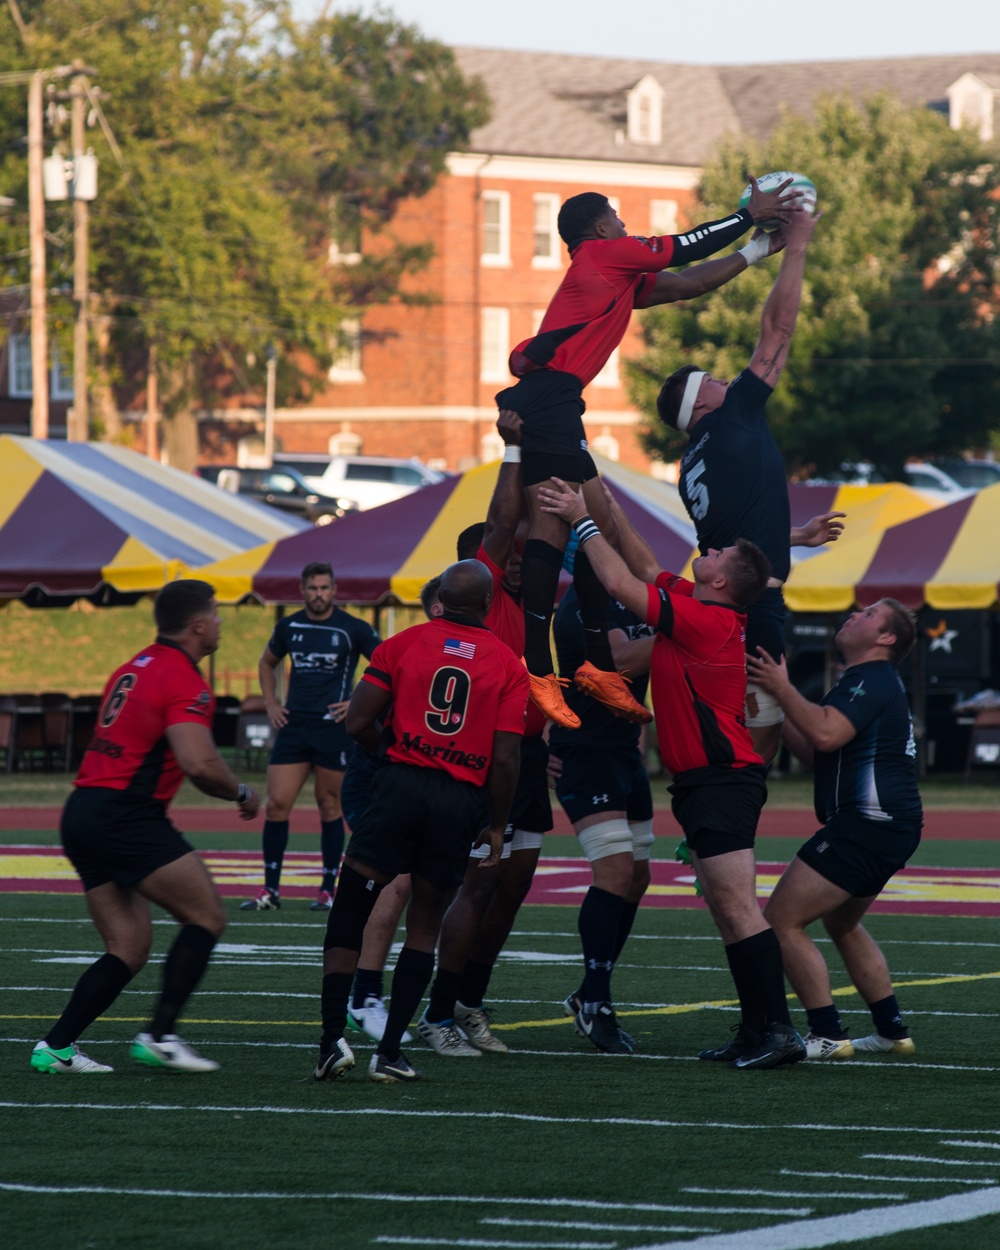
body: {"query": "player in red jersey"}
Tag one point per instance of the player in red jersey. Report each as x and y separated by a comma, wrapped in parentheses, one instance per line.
(154, 728)
(698, 681)
(480, 919)
(610, 273)
(458, 698)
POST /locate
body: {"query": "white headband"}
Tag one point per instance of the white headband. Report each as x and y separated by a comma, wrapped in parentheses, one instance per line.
(687, 403)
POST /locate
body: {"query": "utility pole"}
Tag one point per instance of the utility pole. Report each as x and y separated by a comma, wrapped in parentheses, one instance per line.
(271, 363)
(79, 426)
(36, 247)
(152, 406)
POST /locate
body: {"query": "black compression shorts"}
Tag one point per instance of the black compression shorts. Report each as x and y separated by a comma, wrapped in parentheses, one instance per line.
(420, 820)
(719, 813)
(860, 855)
(312, 740)
(109, 835)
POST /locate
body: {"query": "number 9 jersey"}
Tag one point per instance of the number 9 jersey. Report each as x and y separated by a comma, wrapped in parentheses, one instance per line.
(454, 685)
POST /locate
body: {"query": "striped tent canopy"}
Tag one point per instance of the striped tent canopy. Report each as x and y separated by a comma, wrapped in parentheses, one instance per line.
(97, 521)
(386, 554)
(946, 559)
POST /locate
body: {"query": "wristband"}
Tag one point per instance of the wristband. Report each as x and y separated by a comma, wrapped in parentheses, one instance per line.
(511, 454)
(586, 529)
(242, 794)
(756, 250)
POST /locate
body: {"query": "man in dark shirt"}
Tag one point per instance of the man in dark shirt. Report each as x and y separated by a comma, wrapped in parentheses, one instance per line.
(153, 729)
(860, 737)
(732, 475)
(698, 682)
(457, 697)
(324, 643)
(604, 789)
(610, 274)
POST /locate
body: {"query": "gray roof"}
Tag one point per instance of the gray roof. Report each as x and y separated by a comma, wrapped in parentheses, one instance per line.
(555, 105)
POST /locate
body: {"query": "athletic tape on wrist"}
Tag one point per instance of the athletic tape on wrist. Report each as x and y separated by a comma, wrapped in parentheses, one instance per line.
(687, 403)
(586, 528)
(511, 454)
(756, 250)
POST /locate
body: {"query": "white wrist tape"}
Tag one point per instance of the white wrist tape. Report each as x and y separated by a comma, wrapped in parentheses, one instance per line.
(511, 454)
(687, 402)
(756, 250)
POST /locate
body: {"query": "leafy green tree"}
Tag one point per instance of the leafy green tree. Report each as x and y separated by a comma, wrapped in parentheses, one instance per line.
(896, 350)
(234, 143)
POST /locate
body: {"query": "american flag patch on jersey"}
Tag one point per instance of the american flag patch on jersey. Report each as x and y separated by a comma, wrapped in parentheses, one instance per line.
(452, 646)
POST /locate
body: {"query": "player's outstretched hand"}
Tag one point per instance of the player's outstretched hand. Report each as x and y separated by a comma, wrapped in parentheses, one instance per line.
(821, 529)
(770, 674)
(773, 205)
(563, 500)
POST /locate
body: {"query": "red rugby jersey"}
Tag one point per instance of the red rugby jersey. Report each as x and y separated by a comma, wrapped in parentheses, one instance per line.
(159, 687)
(506, 619)
(454, 684)
(698, 679)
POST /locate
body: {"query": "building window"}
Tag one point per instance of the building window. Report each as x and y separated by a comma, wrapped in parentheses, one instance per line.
(663, 217)
(495, 345)
(347, 354)
(609, 374)
(645, 111)
(19, 383)
(546, 232)
(491, 447)
(345, 235)
(606, 445)
(496, 228)
(345, 443)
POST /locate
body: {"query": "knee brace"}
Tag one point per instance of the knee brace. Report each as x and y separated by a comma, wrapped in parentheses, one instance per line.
(642, 838)
(762, 709)
(610, 837)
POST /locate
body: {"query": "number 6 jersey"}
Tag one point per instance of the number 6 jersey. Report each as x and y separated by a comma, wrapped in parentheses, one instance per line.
(159, 687)
(454, 685)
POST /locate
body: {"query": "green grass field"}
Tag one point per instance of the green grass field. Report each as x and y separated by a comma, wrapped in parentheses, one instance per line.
(553, 1145)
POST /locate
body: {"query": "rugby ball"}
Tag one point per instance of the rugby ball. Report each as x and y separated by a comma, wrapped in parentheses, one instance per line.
(799, 183)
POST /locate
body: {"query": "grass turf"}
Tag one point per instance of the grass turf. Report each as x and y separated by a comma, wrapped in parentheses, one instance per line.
(552, 1145)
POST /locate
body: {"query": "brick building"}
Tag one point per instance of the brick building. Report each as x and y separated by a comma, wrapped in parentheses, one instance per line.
(421, 380)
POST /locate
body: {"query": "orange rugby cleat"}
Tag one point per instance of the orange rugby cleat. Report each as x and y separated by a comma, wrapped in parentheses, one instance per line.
(546, 694)
(612, 690)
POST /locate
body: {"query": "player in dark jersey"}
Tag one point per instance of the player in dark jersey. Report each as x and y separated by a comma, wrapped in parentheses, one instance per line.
(732, 475)
(324, 644)
(698, 682)
(602, 784)
(610, 273)
(154, 728)
(860, 739)
(457, 697)
(479, 921)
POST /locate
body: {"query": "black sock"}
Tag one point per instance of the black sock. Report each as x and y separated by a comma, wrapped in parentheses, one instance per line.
(593, 612)
(411, 978)
(367, 984)
(186, 962)
(93, 994)
(759, 976)
(333, 1007)
(825, 1022)
(887, 1018)
(540, 567)
(625, 922)
(600, 912)
(475, 983)
(275, 842)
(444, 995)
(331, 845)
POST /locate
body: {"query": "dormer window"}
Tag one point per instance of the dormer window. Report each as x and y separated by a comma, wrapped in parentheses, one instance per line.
(645, 111)
(972, 104)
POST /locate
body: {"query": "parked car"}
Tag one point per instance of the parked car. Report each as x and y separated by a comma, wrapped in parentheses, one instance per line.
(281, 487)
(974, 474)
(368, 480)
(928, 479)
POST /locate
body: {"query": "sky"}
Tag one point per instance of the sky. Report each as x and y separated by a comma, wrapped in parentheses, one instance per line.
(721, 32)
